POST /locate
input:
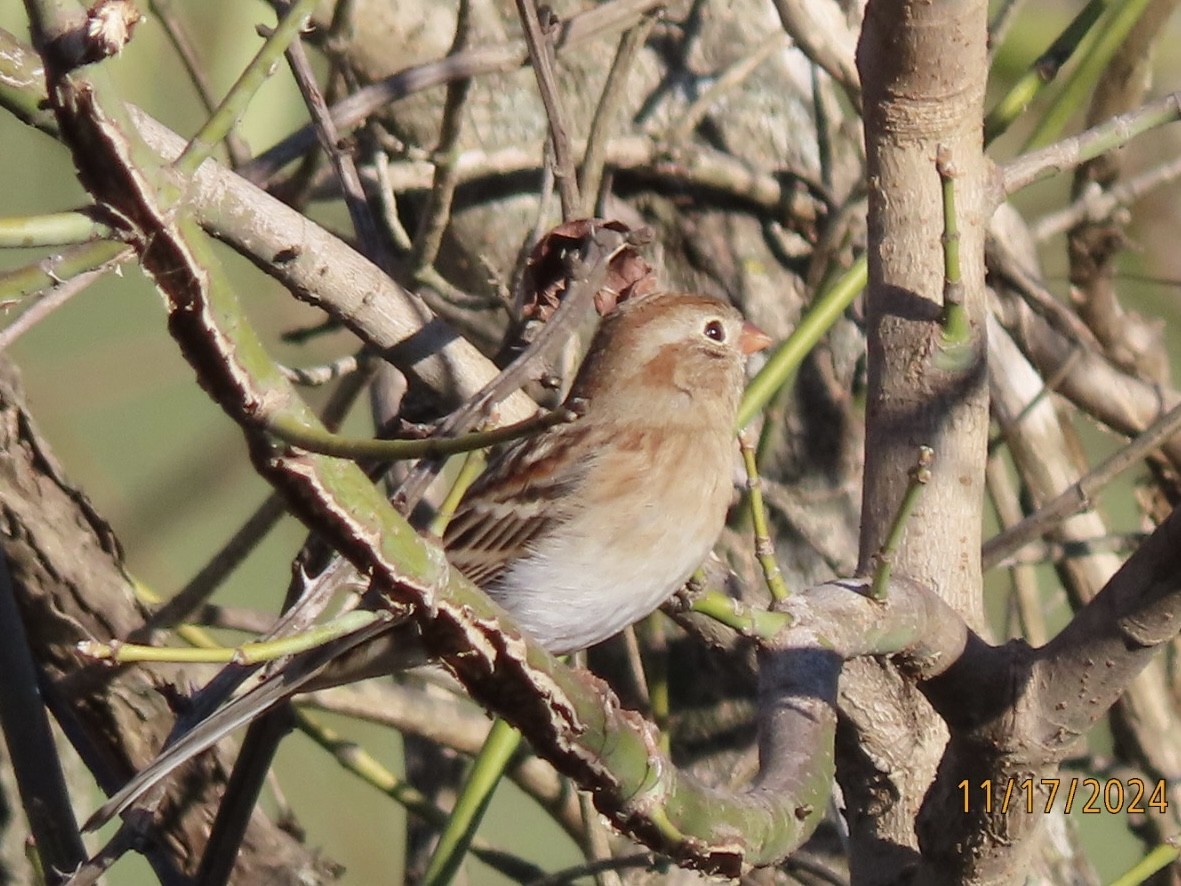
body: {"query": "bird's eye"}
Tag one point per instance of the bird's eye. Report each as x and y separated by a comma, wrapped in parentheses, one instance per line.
(715, 331)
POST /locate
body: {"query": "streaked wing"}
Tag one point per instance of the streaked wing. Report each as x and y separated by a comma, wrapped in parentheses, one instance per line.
(513, 503)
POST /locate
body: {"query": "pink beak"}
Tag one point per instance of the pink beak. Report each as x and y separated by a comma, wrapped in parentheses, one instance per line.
(752, 340)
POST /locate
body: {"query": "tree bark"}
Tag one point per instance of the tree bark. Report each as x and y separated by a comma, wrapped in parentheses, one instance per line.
(923, 68)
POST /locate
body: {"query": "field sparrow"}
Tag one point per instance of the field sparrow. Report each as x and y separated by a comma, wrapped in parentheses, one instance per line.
(589, 526)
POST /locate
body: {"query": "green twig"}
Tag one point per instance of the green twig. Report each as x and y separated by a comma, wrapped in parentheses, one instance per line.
(664, 824)
(174, 29)
(362, 764)
(51, 271)
(1042, 72)
(195, 636)
(1118, 21)
(782, 364)
(51, 229)
(203, 144)
(651, 629)
(955, 347)
(489, 765)
(247, 653)
(1156, 860)
(920, 475)
(291, 430)
(472, 465)
(764, 549)
(758, 624)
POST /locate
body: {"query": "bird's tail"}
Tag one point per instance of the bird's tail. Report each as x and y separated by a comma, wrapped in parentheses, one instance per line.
(373, 650)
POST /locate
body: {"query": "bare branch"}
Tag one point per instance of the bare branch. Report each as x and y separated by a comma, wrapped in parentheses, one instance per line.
(541, 54)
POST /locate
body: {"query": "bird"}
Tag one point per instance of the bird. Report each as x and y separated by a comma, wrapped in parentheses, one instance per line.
(589, 526)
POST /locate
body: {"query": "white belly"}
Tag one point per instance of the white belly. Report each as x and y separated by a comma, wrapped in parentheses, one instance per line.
(582, 583)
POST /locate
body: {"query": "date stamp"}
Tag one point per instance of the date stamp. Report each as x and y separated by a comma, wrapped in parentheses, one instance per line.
(1088, 795)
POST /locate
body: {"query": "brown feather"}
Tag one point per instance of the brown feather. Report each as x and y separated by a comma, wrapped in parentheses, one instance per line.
(511, 505)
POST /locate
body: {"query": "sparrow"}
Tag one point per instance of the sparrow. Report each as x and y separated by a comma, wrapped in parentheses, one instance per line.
(591, 525)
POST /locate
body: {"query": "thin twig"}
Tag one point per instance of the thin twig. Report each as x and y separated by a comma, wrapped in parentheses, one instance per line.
(1023, 579)
(178, 36)
(747, 620)
(1118, 21)
(764, 547)
(233, 618)
(1079, 495)
(1042, 551)
(438, 207)
(541, 54)
(607, 111)
(1041, 301)
(291, 430)
(252, 77)
(355, 759)
(446, 299)
(648, 860)
(88, 874)
(1095, 204)
(826, 309)
(823, 133)
(202, 585)
(55, 269)
(389, 202)
(1048, 387)
(250, 653)
(821, 32)
(709, 173)
(635, 665)
(207, 580)
(1042, 72)
(372, 245)
(596, 843)
(351, 112)
(472, 802)
(53, 229)
(920, 476)
(315, 376)
(55, 298)
(220, 854)
(31, 746)
(1071, 152)
(999, 26)
(473, 465)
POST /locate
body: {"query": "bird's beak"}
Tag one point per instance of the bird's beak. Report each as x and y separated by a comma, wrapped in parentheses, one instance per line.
(752, 340)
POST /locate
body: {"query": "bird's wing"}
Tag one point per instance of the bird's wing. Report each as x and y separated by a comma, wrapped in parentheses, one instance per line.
(514, 502)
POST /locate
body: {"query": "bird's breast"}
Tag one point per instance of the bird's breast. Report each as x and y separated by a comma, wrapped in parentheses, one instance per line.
(650, 507)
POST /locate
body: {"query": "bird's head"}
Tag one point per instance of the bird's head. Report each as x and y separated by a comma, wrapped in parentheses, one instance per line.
(666, 354)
